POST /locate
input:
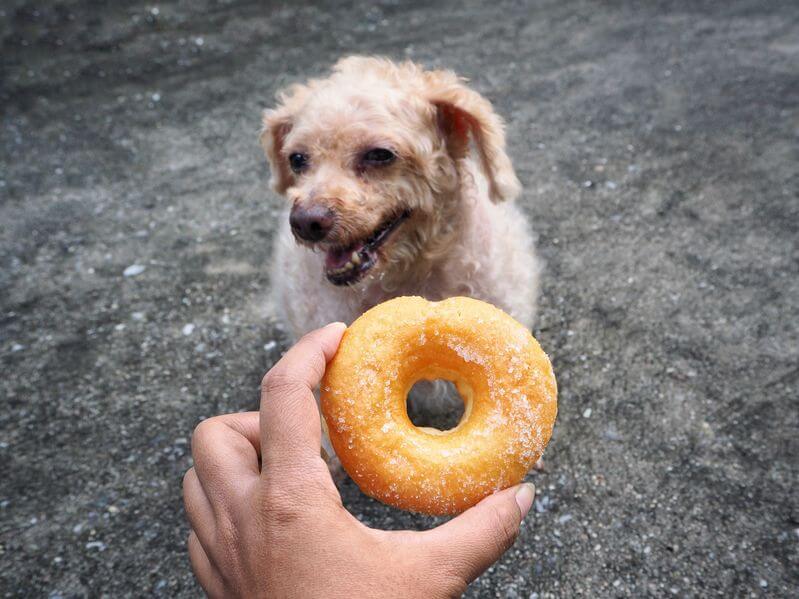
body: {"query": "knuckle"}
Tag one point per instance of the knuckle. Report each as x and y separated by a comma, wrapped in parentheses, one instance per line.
(453, 586)
(281, 506)
(449, 578)
(188, 477)
(202, 432)
(277, 380)
(187, 490)
(227, 533)
(503, 527)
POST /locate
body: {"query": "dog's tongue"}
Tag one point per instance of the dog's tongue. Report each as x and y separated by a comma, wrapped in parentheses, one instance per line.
(338, 257)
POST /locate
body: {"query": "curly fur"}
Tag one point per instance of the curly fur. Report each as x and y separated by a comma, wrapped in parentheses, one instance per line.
(465, 235)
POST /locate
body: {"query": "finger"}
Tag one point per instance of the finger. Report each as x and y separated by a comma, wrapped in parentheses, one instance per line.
(198, 508)
(290, 426)
(469, 544)
(206, 573)
(225, 451)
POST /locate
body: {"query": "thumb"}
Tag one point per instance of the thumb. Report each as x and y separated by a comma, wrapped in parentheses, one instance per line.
(471, 542)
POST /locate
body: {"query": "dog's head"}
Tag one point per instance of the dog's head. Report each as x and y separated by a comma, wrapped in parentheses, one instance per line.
(371, 159)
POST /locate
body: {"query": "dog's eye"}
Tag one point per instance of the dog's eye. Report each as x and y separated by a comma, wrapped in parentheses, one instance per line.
(298, 162)
(378, 157)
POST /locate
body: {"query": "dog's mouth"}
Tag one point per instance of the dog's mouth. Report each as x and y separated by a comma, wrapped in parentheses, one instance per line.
(347, 265)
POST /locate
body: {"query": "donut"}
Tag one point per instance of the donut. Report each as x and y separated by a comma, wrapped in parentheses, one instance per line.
(501, 373)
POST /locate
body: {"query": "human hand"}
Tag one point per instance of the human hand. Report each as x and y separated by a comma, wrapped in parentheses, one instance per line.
(267, 520)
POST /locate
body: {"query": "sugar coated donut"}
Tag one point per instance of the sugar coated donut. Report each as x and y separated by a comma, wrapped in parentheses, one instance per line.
(502, 374)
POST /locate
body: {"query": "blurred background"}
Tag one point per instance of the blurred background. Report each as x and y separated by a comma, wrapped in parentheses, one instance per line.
(658, 146)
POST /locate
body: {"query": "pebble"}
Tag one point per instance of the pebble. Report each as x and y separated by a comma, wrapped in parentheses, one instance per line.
(270, 345)
(188, 329)
(17, 347)
(99, 545)
(587, 413)
(543, 504)
(137, 316)
(133, 270)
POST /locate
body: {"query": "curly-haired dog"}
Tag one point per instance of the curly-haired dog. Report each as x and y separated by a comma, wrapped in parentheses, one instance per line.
(398, 183)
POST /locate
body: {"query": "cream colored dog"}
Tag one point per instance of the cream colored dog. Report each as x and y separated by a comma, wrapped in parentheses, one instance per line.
(398, 184)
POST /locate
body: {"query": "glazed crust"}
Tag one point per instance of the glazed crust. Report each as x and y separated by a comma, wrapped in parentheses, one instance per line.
(500, 371)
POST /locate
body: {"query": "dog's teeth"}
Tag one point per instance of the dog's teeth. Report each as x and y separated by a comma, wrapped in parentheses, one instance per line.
(355, 259)
(337, 271)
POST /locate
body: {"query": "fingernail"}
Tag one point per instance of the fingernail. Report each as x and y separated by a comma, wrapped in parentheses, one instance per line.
(524, 497)
(337, 325)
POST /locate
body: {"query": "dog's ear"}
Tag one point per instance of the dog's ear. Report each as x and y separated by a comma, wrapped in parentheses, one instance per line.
(277, 122)
(276, 125)
(463, 114)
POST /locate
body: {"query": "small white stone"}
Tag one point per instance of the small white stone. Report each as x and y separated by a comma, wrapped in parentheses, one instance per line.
(95, 545)
(133, 270)
(763, 583)
(120, 327)
(156, 97)
(188, 329)
(17, 347)
(137, 316)
(199, 41)
(587, 413)
(154, 11)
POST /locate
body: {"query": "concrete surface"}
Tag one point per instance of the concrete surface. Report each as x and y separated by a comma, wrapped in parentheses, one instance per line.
(658, 146)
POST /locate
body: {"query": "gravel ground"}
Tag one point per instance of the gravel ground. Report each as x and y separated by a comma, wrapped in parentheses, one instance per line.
(657, 143)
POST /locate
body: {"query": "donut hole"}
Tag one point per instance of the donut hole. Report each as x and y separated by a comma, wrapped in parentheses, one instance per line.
(435, 404)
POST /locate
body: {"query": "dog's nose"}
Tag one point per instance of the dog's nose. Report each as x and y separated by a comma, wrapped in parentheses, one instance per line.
(312, 223)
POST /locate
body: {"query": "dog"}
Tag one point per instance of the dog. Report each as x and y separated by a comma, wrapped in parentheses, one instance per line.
(398, 183)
